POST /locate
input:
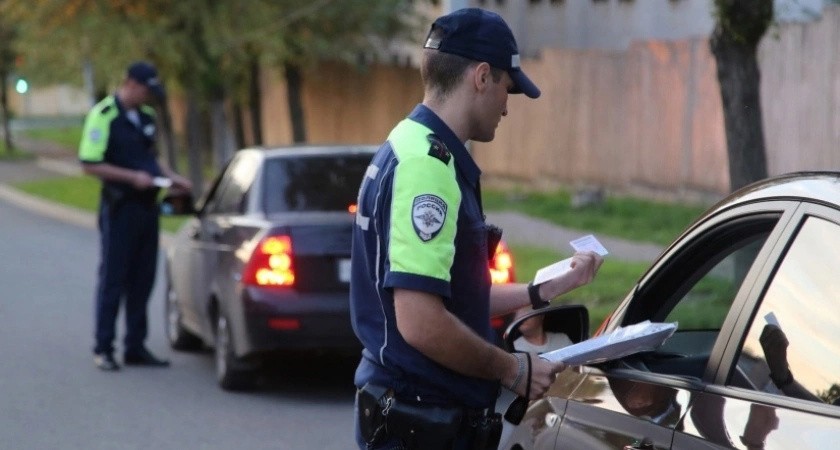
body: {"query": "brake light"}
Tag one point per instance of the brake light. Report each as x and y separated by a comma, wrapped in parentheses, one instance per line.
(271, 263)
(497, 322)
(352, 209)
(501, 266)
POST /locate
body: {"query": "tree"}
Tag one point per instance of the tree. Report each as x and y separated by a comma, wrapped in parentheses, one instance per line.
(740, 25)
(7, 60)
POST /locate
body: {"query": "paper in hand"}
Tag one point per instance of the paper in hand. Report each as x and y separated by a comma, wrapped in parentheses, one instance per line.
(552, 271)
(589, 243)
(162, 182)
(771, 319)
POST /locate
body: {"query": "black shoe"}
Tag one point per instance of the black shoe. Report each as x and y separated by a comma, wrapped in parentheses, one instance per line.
(143, 358)
(105, 362)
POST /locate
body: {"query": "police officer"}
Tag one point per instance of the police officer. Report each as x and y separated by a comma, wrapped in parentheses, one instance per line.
(421, 296)
(118, 147)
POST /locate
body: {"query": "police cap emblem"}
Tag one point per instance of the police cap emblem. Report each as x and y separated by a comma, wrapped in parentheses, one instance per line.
(428, 215)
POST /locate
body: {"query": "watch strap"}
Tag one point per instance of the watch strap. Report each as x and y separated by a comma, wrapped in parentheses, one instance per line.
(537, 302)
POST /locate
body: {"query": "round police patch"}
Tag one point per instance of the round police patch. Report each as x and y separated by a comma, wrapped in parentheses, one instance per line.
(94, 135)
(428, 214)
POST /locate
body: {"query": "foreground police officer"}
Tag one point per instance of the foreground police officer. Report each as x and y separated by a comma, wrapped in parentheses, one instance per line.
(118, 147)
(421, 297)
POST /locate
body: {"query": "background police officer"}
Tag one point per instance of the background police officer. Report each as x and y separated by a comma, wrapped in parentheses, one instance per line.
(421, 297)
(118, 147)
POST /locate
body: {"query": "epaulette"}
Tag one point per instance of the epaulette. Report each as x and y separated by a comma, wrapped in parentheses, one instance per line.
(438, 149)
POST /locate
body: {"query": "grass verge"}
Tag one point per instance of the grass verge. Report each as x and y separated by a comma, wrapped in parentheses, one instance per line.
(614, 281)
(624, 217)
(81, 192)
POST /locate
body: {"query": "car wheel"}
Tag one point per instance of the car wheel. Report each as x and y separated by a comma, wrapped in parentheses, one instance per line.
(179, 338)
(230, 373)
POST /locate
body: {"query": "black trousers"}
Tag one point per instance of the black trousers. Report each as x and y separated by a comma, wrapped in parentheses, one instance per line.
(129, 233)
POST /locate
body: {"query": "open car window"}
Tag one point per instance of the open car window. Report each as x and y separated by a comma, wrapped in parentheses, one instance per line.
(696, 288)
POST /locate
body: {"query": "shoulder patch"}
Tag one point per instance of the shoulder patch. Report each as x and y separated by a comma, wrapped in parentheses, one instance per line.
(428, 213)
(438, 149)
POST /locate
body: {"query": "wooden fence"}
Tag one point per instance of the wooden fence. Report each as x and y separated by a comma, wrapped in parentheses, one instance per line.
(647, 121)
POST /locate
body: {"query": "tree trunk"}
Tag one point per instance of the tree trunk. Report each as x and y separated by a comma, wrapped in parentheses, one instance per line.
(196, 143)
(4, 111)
(741, 25)
(294, 89)
(255, 101)
(238, 126)
(223, 142)
(168, 136)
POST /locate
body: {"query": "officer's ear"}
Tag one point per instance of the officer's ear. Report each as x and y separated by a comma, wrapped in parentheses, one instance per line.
(482, 76)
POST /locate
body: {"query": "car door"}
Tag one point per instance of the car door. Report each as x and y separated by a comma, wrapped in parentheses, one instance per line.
(212, 235)
(701, 283)
(800, 286)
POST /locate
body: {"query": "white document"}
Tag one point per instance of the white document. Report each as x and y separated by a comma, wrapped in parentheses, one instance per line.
(771, 319)
(582, 244)
(552, 271)
(643, 336)
(162, 182)
(589, 243)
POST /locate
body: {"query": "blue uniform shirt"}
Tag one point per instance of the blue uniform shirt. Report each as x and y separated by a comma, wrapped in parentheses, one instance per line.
(109, 136)
(419, 226)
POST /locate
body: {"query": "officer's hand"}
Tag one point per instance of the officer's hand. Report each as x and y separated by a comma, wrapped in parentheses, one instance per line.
(543, 374)
(584, 266)
(142, 180)
(181, 184)
(775, 343)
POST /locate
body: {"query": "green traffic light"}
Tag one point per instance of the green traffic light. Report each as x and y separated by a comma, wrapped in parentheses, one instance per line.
(21, 86)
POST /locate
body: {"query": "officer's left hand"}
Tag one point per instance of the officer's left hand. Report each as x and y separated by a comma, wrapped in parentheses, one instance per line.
(584, 266)
(181, 184)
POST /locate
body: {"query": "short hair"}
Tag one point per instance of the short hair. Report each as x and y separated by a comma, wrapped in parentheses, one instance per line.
(441, 72)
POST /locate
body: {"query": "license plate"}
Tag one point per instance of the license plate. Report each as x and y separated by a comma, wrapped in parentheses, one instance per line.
(344, 270)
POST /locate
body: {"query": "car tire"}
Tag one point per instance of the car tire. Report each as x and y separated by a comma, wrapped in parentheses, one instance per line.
(178, 336)
(232, 373)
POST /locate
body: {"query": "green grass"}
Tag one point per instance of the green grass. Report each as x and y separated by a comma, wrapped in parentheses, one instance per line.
(613, 282)
(68, 137)
(81, 192)
(629, 218)
(15, 155)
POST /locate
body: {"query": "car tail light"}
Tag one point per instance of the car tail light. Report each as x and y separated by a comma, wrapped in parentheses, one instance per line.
(271, 264)
(352, 209)
(497, 322)
(501, 266)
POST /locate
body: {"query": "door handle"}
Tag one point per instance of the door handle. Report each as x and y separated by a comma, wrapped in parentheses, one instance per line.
(640, 444)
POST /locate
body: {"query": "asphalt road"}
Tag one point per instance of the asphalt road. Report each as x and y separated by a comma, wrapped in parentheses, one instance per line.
(53, 397)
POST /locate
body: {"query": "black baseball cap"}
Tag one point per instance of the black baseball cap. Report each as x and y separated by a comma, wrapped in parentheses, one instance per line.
(145, 73)
(482, 35)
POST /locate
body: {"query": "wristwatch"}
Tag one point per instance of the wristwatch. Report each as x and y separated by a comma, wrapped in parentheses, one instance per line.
(537, 302)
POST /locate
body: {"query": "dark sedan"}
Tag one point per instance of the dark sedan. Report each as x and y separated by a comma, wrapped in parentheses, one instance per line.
(264, 264)
(755, 362)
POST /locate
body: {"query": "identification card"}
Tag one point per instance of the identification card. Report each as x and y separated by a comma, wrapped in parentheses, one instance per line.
(589, 243)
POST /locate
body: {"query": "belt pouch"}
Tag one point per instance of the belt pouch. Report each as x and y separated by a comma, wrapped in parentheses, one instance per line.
(371, 401)
(424, 426)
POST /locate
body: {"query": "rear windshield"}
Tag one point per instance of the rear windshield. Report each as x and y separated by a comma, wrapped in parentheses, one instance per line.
(314, 183)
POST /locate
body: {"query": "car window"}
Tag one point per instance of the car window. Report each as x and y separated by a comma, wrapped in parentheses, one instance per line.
(804, 298)
(696, 288)
(314, 183)
(232, 194)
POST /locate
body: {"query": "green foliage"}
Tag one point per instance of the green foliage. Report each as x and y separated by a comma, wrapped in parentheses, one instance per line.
(630, 218)
(744, 21)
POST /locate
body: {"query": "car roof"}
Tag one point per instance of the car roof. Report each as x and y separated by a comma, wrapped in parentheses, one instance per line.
(815, 186)
(311, 150)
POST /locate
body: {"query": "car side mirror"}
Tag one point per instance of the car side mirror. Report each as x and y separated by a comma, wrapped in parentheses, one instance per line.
(180, 204)
(573, 320)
